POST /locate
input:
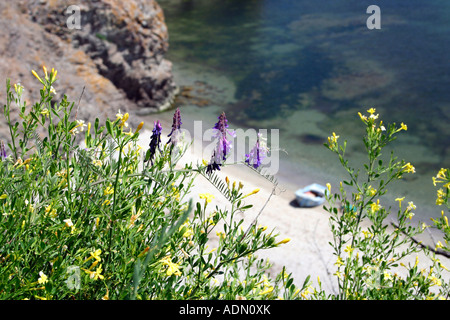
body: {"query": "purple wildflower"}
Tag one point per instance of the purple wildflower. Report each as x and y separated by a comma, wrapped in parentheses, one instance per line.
(257, 154)
(176, 125)
(223, 145)
(2, 151)
(155, 140)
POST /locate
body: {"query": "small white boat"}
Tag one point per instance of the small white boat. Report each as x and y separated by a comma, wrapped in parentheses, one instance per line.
(310, 196)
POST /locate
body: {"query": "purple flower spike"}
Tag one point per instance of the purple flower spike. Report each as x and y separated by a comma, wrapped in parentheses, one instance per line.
(2, 151)
(155, 140)
(176, 125)
(223, 145)
(257, 154)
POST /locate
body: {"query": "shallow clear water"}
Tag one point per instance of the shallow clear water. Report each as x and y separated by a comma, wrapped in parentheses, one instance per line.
(308, 67)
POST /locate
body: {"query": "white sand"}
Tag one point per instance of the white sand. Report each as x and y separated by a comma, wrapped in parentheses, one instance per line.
(308, 252)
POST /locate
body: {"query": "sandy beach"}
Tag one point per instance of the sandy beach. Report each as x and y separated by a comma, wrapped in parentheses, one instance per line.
(308, 252)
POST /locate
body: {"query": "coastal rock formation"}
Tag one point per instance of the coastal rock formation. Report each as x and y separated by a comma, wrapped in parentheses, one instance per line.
(117, 54)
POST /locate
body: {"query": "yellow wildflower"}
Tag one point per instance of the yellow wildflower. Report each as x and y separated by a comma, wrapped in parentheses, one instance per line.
(367, 234)
(267, 290)
(400, 201)
(263, 228)
(45, 112)
(95, 274)
(53, 75)
(124, 119)
(68, 223)
(411, 206)
(3, 196)
(18, 88)
(284, 241)
(371, 191)
(108, 191)
(375, 206)
(96, 255)
(371, 110)
(409, 168)
(37, 76)
(207, 196)
(172, 268)
(333, 139)
(403, 127)
(106, 296)
(188, 232)
(139, 127)
(339, 262)
(363, 118)
(220, 234)
(441, 173)
(251, 193)
(440, 197)
(349, 249)
(42, 278)
(45, 72)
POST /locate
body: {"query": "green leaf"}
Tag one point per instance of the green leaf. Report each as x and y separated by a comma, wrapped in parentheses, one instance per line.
(108, 127)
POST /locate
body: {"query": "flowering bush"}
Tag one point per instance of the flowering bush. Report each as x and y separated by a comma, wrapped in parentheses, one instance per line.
(98, 221)
(108, 220)
(443, 177)
(367, 252)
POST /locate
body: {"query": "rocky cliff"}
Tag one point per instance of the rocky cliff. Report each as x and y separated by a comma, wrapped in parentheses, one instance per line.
(116, 54)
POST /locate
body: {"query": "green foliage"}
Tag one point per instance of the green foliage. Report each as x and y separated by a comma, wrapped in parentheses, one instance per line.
(368, 252)
(94, 222)
(443, 194)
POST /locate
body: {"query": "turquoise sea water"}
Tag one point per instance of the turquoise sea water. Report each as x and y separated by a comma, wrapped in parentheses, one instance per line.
(307, 68)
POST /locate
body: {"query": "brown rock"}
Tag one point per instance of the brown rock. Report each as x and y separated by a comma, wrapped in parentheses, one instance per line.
(117, 55)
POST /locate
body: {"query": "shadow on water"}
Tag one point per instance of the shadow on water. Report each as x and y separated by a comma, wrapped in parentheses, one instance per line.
(274, 90)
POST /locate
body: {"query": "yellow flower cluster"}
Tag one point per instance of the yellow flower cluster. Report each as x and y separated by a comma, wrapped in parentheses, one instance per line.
(172, 268)
(375, 206)
(443, 177)
(42, 278)
(50, 78)
(267, 287)
(332, 141)
(123, 118)
(51, 212)
(97, 273)
(207, 196)
(371, 119)
(408, 168)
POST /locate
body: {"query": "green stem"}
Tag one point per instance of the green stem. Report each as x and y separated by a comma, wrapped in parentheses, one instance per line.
(112, 219)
